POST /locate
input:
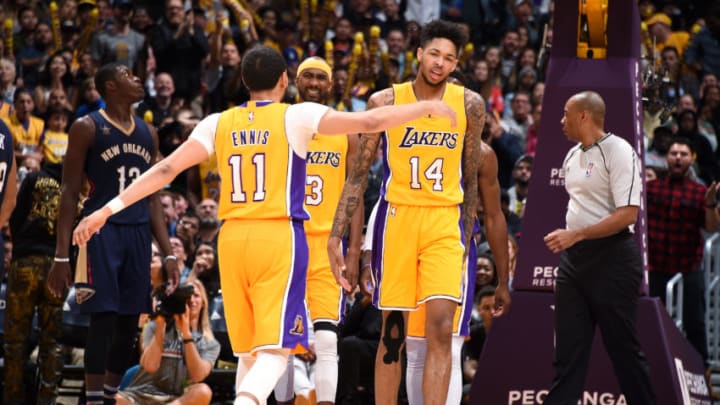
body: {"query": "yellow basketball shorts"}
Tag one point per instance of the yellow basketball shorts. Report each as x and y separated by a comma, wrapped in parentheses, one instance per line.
(263, 270)
(417, 255)
(463, 313)
(324, 296)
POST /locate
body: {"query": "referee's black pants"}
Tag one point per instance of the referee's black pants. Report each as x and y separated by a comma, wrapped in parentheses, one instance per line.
(597, 284)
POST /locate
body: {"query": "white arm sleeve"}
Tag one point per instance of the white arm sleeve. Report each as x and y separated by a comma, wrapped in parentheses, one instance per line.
(205, 130)
(301, 122)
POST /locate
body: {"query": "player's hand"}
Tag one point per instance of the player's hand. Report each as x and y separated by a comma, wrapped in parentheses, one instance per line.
(366, 284)
(337, 262)
(440, 109)
(561, 239)
(173, 276)
(502, 301)
(58, 279)
(351, 270)
(89, 226)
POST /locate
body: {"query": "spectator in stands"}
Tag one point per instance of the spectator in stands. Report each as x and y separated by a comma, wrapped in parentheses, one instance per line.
(25, 36)
(205, 268)
(25, 128)
(169, 214)
(506, 146)
(56, 74)
(7, 86)
(164, 104)
(655, 156)
(533, 130)
(393, 17)
(522, 13)
(703, 52)
(90, 100)
(680, 80)
(512, 219)
(118, 42)
(178, 354)
(33, 230)
(31, 57)
(480, 324)
(679, 209)
(180, 46)
(709, 114)
(659, 27)
(395, 41)
(485, 273)
(222, 73)
(182, 257)
(58, 99)
(187, 229)
(520, 120)
(54, 140)
(508, 55)
(706, 163)
(521, 180)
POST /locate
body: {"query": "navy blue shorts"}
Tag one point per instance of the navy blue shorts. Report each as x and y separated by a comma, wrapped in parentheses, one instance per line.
(118, 269)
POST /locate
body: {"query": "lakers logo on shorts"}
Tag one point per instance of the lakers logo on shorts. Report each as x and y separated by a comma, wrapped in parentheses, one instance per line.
(298, 329)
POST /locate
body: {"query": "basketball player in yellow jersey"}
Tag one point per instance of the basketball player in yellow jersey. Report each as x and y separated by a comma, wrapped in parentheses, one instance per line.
(426, 214)
(327, 161)
(261, 149)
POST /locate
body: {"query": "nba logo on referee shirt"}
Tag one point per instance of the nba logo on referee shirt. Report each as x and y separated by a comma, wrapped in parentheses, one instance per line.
(589, 169)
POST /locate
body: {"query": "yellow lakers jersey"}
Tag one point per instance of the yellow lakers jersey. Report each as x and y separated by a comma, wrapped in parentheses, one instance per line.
(29, 136)
(54, 146)
(423, 158)
(209, 178)
(326, 169)
(263, 178)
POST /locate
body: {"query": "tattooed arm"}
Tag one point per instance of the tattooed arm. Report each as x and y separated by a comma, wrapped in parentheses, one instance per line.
(475, 112)
(352, 194)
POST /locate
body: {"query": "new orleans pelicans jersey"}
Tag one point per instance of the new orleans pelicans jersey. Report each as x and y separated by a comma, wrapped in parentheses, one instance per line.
(116, 158)
(263, 178)
(209, 178)
(326, 169)
(423, 158)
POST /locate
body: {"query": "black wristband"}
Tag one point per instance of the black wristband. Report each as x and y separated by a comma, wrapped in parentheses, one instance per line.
(711, 206)
(186, 341)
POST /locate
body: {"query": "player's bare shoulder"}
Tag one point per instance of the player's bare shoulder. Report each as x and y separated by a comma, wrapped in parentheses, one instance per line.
(382, 98)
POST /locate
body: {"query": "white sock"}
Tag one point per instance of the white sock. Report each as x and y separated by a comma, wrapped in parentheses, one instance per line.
(455, 389)
(284, 387)
(326, 366)
(245, 362)
(416, 351)
(264, 374)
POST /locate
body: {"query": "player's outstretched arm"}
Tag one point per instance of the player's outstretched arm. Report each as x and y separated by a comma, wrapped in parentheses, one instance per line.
(352, 194)
(380, 117)
(190, 153)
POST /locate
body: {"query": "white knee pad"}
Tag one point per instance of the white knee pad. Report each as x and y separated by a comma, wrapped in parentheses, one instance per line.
(284, 387)
(264, 374)
(326, 366)
(416, 349)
